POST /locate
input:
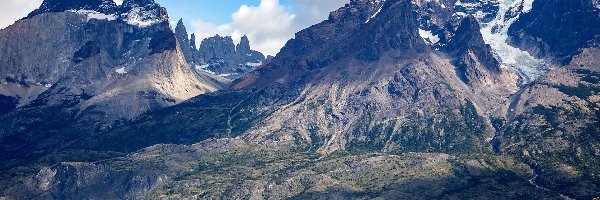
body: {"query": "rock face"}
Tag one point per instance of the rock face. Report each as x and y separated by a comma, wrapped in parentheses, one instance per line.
(74, 69)
(384, 99)
(470, 52)
(557, 29)
(188, 45)
(351, 91)
(106, 52)
(50, 6)
(221, 56)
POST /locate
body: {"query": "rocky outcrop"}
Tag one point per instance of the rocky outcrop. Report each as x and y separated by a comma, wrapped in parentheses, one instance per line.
(555, 29)
(246, 53)
(221, 56)
(49, 6)
(472, 56)
(188, 45)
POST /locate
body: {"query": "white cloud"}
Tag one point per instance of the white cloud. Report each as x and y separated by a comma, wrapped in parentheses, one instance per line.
(270, 25)
(13, 10)
(314, 11)
(204, 29)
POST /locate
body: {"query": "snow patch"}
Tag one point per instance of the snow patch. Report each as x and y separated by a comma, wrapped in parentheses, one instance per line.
(121, 70)
(141, 18)
(378, 10)
(201, 67)
(48, 85)
(91, 14)
(527, 5)
(466, 5)
(204, 68)
(118, 2)
(429, 37)
(251, 64)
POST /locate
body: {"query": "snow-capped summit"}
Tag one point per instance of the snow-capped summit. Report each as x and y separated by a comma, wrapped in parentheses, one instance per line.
(79, 45)
(103, 6)
(140, 13)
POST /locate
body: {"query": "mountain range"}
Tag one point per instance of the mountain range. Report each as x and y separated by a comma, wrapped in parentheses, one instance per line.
(385, 99)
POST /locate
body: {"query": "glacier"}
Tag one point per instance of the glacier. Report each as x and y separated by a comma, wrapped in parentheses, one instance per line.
(495, 33)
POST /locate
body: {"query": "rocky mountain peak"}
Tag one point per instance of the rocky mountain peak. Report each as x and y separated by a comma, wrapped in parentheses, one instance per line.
(103, 6)
(220, 55)
(217, 47)
(180, 28)
(357, 11)
(244, 45)
(393, 26)
(138, 2)
(472, 56)
(82, 44)
(188, 47)
(466, 36)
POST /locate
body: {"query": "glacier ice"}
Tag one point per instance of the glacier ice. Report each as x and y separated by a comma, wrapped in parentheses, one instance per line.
(495, 33)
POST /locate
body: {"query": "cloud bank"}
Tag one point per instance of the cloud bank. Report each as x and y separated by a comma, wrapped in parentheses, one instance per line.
(269, 25)
(13, 10)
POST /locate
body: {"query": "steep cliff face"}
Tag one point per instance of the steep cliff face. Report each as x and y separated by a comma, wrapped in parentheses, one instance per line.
(187, 44)
(106, 52)
(221, 56)
(69, 73)
(469, 50)
(556, 29)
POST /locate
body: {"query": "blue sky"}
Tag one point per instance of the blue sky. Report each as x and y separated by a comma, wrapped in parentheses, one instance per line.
(216, 11)
(269, 24)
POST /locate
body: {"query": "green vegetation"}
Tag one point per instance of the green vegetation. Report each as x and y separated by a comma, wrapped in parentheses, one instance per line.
(582, 91)
(563, 142)
(299, 175)
(589, 76)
